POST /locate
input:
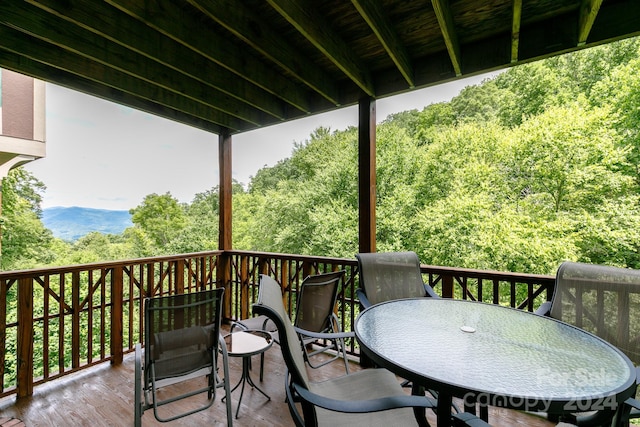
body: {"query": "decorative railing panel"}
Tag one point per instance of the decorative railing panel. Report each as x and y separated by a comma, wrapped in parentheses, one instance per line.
(56, 321)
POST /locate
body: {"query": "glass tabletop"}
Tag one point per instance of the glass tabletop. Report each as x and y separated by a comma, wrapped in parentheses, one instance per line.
(485, 348)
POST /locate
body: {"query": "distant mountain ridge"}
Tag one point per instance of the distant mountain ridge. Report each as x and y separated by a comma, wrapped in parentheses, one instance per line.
(75, 222)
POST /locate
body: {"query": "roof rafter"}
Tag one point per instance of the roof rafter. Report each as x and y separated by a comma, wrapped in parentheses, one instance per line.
(240, 21)
(158, 47)
(373, 13)
(83, 43)
(588, 13)
(445, 19)
(24, 65)
(56, 57)
(161, 15)
(318, 31)
(515, 29)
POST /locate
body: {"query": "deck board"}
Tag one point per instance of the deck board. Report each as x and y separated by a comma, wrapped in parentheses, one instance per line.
(103, 396)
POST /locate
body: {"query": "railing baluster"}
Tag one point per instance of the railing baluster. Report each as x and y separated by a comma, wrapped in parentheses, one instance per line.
(75, 319)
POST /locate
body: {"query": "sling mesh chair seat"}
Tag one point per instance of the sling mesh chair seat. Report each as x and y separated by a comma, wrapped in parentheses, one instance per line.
(182, 342)
(602, 300)
(316, 322)
(386, 276)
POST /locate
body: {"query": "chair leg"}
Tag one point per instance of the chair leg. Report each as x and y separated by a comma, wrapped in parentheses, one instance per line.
(225, 383)
(261, 366)
(341, 347)
(137, 402)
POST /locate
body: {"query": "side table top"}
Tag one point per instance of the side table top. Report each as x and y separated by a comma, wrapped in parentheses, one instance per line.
(248, 343)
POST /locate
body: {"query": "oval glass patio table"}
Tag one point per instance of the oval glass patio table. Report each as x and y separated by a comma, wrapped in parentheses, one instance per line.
(495, 355)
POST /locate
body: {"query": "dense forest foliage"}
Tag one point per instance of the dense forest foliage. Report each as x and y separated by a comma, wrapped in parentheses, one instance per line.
(535, 166)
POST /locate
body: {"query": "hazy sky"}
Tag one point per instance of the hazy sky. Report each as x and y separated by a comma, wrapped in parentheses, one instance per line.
(103, 155)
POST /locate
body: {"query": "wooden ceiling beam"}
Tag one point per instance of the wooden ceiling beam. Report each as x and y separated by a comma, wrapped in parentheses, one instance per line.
(312, 25)
(515, 29)
(38, 70)
(253, 30)
(54, 56)
(169, 18)
(374, 15)
(158, 47)
(588, 14)
(445, 19)
(111, 55)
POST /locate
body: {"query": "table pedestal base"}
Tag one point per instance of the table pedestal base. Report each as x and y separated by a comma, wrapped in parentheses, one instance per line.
(246, 378)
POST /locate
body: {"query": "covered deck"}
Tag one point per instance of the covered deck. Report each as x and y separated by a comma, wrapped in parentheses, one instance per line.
(229, 69)
(80, 371)
(103, 396)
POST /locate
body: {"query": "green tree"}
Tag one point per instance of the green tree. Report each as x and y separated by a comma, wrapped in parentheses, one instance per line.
(161, 217)
(26, 243)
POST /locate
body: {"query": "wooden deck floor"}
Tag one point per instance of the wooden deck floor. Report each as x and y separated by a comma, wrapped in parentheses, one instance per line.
(103, 396)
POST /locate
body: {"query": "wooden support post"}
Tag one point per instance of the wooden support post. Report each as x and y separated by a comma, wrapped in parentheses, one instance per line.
(25, 337)
(367, 175)
(366, 183)
(117, 317)
(223, 273)
(224, 155)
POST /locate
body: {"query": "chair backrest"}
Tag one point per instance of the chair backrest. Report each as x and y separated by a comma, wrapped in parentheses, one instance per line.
(602, 300)
(181, 331)
(386, 276)
(316, 301)
(270, 304)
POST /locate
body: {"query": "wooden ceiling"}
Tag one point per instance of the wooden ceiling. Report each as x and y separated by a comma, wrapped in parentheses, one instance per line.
(243, 64)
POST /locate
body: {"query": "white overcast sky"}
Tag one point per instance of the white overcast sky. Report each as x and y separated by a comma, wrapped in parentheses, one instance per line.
(106, 156)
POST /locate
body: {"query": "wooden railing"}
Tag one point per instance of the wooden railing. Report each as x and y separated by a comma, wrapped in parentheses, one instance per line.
(55, 321)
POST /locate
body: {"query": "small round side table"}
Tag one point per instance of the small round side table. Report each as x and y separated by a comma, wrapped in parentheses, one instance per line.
(245, 344)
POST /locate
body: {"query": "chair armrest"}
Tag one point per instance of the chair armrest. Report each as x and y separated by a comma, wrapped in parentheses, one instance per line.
(362, 406)
(634, 403)
(544, 309)
(325, 335)
(362, 297)
(430, 292)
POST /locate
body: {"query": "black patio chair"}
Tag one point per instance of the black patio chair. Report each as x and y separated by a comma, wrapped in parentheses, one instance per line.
(182, 343)
(386, 276)
(604, 301)
(316, 321)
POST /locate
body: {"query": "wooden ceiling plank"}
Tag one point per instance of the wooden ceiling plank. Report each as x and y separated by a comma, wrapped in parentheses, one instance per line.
(515, 29)
(79, 40)
(162, 15)
(373, 13)
(317, 30)
(54, 56)
(253, 30)
(445, 20)
(158, 47)
(588, 14)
